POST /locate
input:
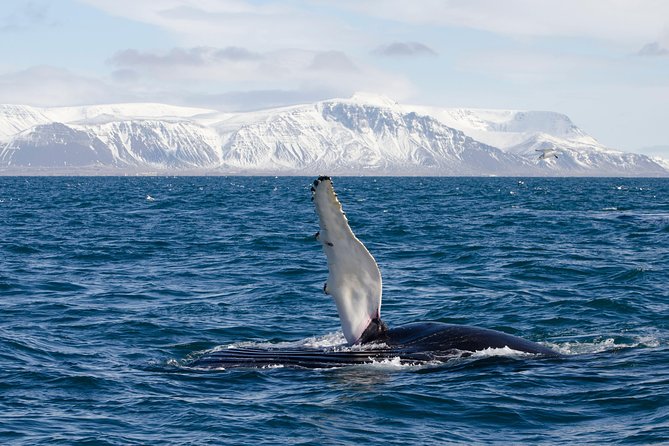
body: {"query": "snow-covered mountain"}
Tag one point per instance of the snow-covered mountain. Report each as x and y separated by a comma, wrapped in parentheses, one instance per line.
(528, 133)
(349, 137)
(362, 135)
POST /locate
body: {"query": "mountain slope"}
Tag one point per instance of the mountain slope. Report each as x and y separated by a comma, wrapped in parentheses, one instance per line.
(346, 137)
(56, 145)
(16, 118)
(159, 143)
(528, 133)
(361, 135)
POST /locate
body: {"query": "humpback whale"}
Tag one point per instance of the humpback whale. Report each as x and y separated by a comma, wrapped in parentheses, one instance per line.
(354, 282)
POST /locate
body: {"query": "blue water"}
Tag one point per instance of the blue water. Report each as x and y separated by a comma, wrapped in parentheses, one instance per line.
(110, 285)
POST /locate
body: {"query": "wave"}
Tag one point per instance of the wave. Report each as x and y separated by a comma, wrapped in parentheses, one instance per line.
(608, 344)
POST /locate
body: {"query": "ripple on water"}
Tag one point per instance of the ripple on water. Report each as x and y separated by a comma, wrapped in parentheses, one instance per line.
(106, 295)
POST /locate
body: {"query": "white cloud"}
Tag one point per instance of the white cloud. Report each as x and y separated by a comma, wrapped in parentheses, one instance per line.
(204, 72)
(183, 56)
(227, 78)
(29, 14)
(332, 61)
(261, 99)
(260, 25)
(531, 67)
(629, 22)
(51, 86)
(659, 47)
(403, 49)
(183, 64)
(653, 49)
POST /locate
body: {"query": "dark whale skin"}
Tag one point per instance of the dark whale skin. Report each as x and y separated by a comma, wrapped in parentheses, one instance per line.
(415, 343)
(438, 337)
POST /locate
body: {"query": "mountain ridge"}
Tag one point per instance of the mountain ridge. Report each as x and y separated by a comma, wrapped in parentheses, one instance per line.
(362, 135)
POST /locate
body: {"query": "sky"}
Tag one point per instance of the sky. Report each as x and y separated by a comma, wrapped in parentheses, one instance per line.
(604, 63)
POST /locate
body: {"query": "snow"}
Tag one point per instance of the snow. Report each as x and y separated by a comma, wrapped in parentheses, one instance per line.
(15, 119)
(510, 128)
(662, 161)
(120, 112)
(365, 134)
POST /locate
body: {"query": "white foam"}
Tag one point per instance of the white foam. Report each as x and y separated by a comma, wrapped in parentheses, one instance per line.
(389, 364)
(503, 351)
(396, 363)
(173, 363)
(336, 342)
(603, 345)
(335, 339)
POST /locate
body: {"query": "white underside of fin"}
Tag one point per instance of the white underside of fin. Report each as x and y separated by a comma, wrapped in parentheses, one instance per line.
(354, 279)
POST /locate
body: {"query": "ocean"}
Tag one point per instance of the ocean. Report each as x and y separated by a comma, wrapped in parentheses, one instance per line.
(109, 286)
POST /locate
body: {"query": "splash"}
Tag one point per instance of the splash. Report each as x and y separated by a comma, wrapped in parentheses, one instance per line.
(605, 345)
(504, 351)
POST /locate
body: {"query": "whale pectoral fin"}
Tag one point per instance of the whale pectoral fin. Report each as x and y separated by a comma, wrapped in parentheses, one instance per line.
(354, 279)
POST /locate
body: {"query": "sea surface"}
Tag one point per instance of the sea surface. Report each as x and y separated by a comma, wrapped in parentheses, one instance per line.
(109, 286)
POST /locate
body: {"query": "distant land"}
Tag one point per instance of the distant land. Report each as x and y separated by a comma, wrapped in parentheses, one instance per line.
(656, 151)
(363, 135)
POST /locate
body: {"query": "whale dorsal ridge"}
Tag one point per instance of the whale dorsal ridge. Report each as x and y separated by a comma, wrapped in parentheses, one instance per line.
(354, 279)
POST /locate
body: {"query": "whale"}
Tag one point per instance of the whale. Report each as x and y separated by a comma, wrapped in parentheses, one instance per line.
(355, 284)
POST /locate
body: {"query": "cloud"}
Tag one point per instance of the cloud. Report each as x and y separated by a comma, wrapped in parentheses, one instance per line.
(235, 78)
(235, 67)
(653, 49)
(198, 56)
(404, 49)
(262, 25)
(46, 86)
(618, 21)
(176, 56)
(51, 86)
(26, 16)
(181, 65)
(125, 75)
(332, 61)
(235, 53)
(260, 99)
(525, 67)
(658, 47)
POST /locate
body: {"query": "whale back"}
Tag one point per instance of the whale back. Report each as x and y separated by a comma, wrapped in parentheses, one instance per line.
(415, 343)
(437, 337)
